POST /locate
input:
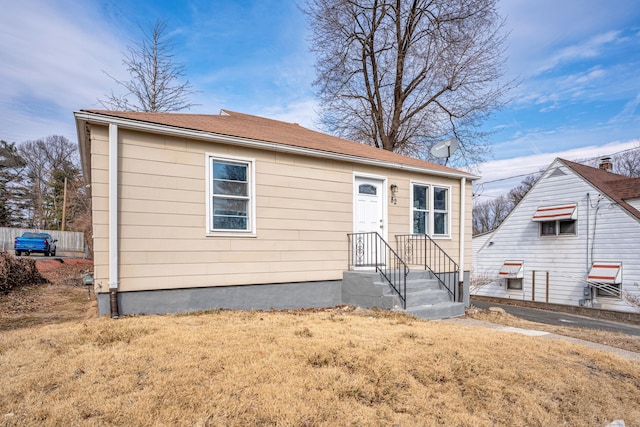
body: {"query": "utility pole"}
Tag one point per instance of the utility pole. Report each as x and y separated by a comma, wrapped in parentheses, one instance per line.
(64, 205)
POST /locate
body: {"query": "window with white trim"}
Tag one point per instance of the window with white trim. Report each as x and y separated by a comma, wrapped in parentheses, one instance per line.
(557, 220)
(430, 210)
(231, 200)
(606, 277)
(440, 210)
(558, 228)
(513, 273)
(514, 284)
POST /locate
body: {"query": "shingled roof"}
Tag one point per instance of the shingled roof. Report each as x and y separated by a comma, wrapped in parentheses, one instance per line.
(617, 187)
(233, 124)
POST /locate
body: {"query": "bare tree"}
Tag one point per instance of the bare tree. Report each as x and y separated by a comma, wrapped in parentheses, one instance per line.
(480, 279)
(155, 84)
(489, 214)
(516, 194)
(628, 162)
(404, 75)
(48, 161)
(632, 298)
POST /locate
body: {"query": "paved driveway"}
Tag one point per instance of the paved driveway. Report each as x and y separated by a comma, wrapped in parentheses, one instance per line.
(561, 319)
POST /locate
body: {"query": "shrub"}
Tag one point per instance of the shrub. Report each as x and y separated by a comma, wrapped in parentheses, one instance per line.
(18, 272)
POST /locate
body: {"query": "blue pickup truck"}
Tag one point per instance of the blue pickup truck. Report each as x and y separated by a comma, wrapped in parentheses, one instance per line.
(35, 242)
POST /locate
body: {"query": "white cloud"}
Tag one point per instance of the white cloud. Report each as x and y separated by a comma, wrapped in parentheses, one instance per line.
(628, 112)
(587, 49)
(543, 33)
(499, 176)
(54, 54)
(589, 75)
(302, 112)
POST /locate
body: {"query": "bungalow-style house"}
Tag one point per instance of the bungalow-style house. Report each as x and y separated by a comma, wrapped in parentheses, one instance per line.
(574, 239)
(198, 212)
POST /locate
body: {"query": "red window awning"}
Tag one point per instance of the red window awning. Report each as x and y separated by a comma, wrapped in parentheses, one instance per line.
(606, 272)
(512, 270)
(556, 213)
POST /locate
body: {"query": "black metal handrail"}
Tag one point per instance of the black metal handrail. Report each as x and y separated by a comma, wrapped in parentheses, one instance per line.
(371, 250)
(420, 249)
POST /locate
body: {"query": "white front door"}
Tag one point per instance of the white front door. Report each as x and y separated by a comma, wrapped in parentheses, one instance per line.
(368, 217)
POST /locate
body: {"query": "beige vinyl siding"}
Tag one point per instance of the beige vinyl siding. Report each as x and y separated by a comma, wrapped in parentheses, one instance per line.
(100, 202)
(304, 209)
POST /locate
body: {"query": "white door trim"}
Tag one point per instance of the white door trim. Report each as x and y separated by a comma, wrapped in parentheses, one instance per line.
(383, 200)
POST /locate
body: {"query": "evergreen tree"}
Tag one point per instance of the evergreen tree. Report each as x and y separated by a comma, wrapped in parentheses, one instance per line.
(11, 167)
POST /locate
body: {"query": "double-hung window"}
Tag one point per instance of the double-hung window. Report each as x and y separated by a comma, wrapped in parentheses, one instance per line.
(430, 209)
(231, 195)
(420, 209)
(440, 211)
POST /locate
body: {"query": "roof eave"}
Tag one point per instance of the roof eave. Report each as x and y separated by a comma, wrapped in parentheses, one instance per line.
(612, 198)
(88, 117)
(83, 148)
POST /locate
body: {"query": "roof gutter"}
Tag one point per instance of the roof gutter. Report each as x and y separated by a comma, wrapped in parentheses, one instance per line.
(252, 143)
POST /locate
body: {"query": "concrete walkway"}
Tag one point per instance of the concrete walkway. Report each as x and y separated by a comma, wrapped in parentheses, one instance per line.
(561, 318)
(546, 335)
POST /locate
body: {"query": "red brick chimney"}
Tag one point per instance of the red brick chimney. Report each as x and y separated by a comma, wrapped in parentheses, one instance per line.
(606, 164)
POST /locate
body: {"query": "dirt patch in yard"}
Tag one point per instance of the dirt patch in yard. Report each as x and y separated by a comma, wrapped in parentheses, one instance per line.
(60, 297)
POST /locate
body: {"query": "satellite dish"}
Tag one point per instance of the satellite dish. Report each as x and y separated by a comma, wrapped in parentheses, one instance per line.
(445, 149)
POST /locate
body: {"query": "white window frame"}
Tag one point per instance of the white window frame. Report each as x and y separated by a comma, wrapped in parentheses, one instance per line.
(431, 208)
(556, 225)
(511, 284)
(613, 282)
(250, 231)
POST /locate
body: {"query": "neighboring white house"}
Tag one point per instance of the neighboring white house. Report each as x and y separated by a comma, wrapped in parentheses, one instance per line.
(574, 239)
(477, 242)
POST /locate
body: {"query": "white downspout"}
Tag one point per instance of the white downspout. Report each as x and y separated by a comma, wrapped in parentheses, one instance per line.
(463, 185)
(113, 220)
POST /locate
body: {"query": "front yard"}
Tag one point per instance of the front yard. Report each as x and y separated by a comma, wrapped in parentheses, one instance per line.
(334, 367)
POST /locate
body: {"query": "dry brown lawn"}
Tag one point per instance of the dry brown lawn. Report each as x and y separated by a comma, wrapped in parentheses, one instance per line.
(337, 367)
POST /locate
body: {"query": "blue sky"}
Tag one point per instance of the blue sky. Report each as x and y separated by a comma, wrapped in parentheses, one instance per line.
(578, 62)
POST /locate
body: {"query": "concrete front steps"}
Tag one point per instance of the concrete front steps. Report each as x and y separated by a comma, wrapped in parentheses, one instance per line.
(425, 298)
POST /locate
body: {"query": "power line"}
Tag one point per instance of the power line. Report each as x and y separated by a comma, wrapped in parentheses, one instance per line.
(504, 179)
(582, 162)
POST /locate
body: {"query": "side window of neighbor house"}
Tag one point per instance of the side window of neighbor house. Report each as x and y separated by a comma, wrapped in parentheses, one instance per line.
(230, 202)
(557, 220)
(514, 284)
(430, 210)
(558, 228)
